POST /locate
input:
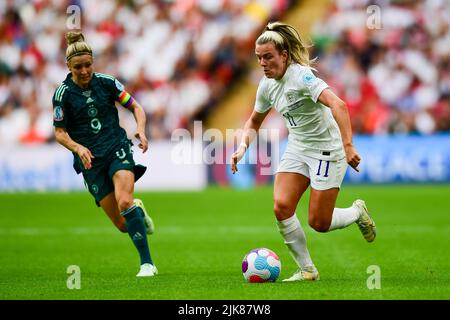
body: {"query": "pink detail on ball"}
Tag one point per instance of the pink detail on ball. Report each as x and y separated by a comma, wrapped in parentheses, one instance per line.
(273, 254)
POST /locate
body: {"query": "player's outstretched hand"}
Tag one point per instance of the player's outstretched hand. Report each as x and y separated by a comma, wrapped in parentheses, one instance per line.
(353, 158)
(143, 140)
(235, 158)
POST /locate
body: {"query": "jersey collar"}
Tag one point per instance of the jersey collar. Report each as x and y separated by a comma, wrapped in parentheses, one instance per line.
(68, 81)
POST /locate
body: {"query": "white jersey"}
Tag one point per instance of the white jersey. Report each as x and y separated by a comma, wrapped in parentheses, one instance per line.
(311, 125)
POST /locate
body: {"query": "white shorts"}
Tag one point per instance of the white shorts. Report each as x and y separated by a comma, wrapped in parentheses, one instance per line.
(323, 173)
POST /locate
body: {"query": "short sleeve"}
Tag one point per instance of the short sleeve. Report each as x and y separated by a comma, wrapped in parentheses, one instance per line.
(314, 85)
(59, 106)
(118, 88)
(111, 83)
(262, 103)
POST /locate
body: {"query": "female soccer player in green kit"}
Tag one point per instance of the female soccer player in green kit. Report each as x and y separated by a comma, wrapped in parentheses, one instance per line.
(86, 122)
(319, 144)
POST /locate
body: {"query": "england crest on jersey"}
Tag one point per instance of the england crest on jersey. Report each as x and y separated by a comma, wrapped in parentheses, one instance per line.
(58, 113)
(291, 96)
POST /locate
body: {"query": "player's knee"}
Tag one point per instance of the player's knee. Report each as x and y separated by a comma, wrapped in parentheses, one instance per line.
(320, 225)
(282, 209)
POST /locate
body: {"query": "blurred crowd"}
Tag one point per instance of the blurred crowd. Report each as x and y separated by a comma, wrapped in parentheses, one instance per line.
(176, 57)
(390, 61)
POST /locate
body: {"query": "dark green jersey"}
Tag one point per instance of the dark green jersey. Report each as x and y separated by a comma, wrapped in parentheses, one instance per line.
(90, 115)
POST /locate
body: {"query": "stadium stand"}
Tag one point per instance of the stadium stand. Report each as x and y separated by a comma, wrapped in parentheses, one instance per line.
(176, 57)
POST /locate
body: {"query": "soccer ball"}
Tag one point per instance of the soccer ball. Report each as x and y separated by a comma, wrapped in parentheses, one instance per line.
(261, 265)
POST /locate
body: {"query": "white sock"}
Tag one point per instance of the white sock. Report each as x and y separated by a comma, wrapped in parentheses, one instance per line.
(343, 217)
(294, 237)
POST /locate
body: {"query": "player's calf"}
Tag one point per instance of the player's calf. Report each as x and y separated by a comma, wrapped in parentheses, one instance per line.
(149, 225)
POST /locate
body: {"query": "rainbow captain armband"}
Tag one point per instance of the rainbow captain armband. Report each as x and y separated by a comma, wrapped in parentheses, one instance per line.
(125, 99)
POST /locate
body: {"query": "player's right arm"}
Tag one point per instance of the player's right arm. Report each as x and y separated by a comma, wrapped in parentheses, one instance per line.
(251, 128)
(60, 123)
(84, 153)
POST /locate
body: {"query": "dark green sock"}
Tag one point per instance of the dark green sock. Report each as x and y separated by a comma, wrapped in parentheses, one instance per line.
(137, 232)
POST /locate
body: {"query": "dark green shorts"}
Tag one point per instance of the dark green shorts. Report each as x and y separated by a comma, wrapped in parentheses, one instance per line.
(98, 179)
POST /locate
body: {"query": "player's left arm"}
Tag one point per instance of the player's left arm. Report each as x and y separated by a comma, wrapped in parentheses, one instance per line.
(139, 115)
(127, 101)
(342, 117)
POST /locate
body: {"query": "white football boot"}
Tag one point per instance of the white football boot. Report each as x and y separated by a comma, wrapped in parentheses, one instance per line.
(365, 222)
(309, 273)
(149, 225)
(147, 270)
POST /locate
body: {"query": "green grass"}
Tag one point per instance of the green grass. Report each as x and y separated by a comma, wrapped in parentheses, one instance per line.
(201, 238)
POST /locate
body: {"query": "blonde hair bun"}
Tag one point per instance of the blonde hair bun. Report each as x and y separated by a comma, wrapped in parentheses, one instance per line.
(76, 45)
(72, 37)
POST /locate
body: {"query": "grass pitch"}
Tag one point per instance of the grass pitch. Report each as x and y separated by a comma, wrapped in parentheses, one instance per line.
(201, 238)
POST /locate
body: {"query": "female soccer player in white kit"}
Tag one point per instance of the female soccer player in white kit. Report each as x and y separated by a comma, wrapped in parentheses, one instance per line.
(319, 144)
